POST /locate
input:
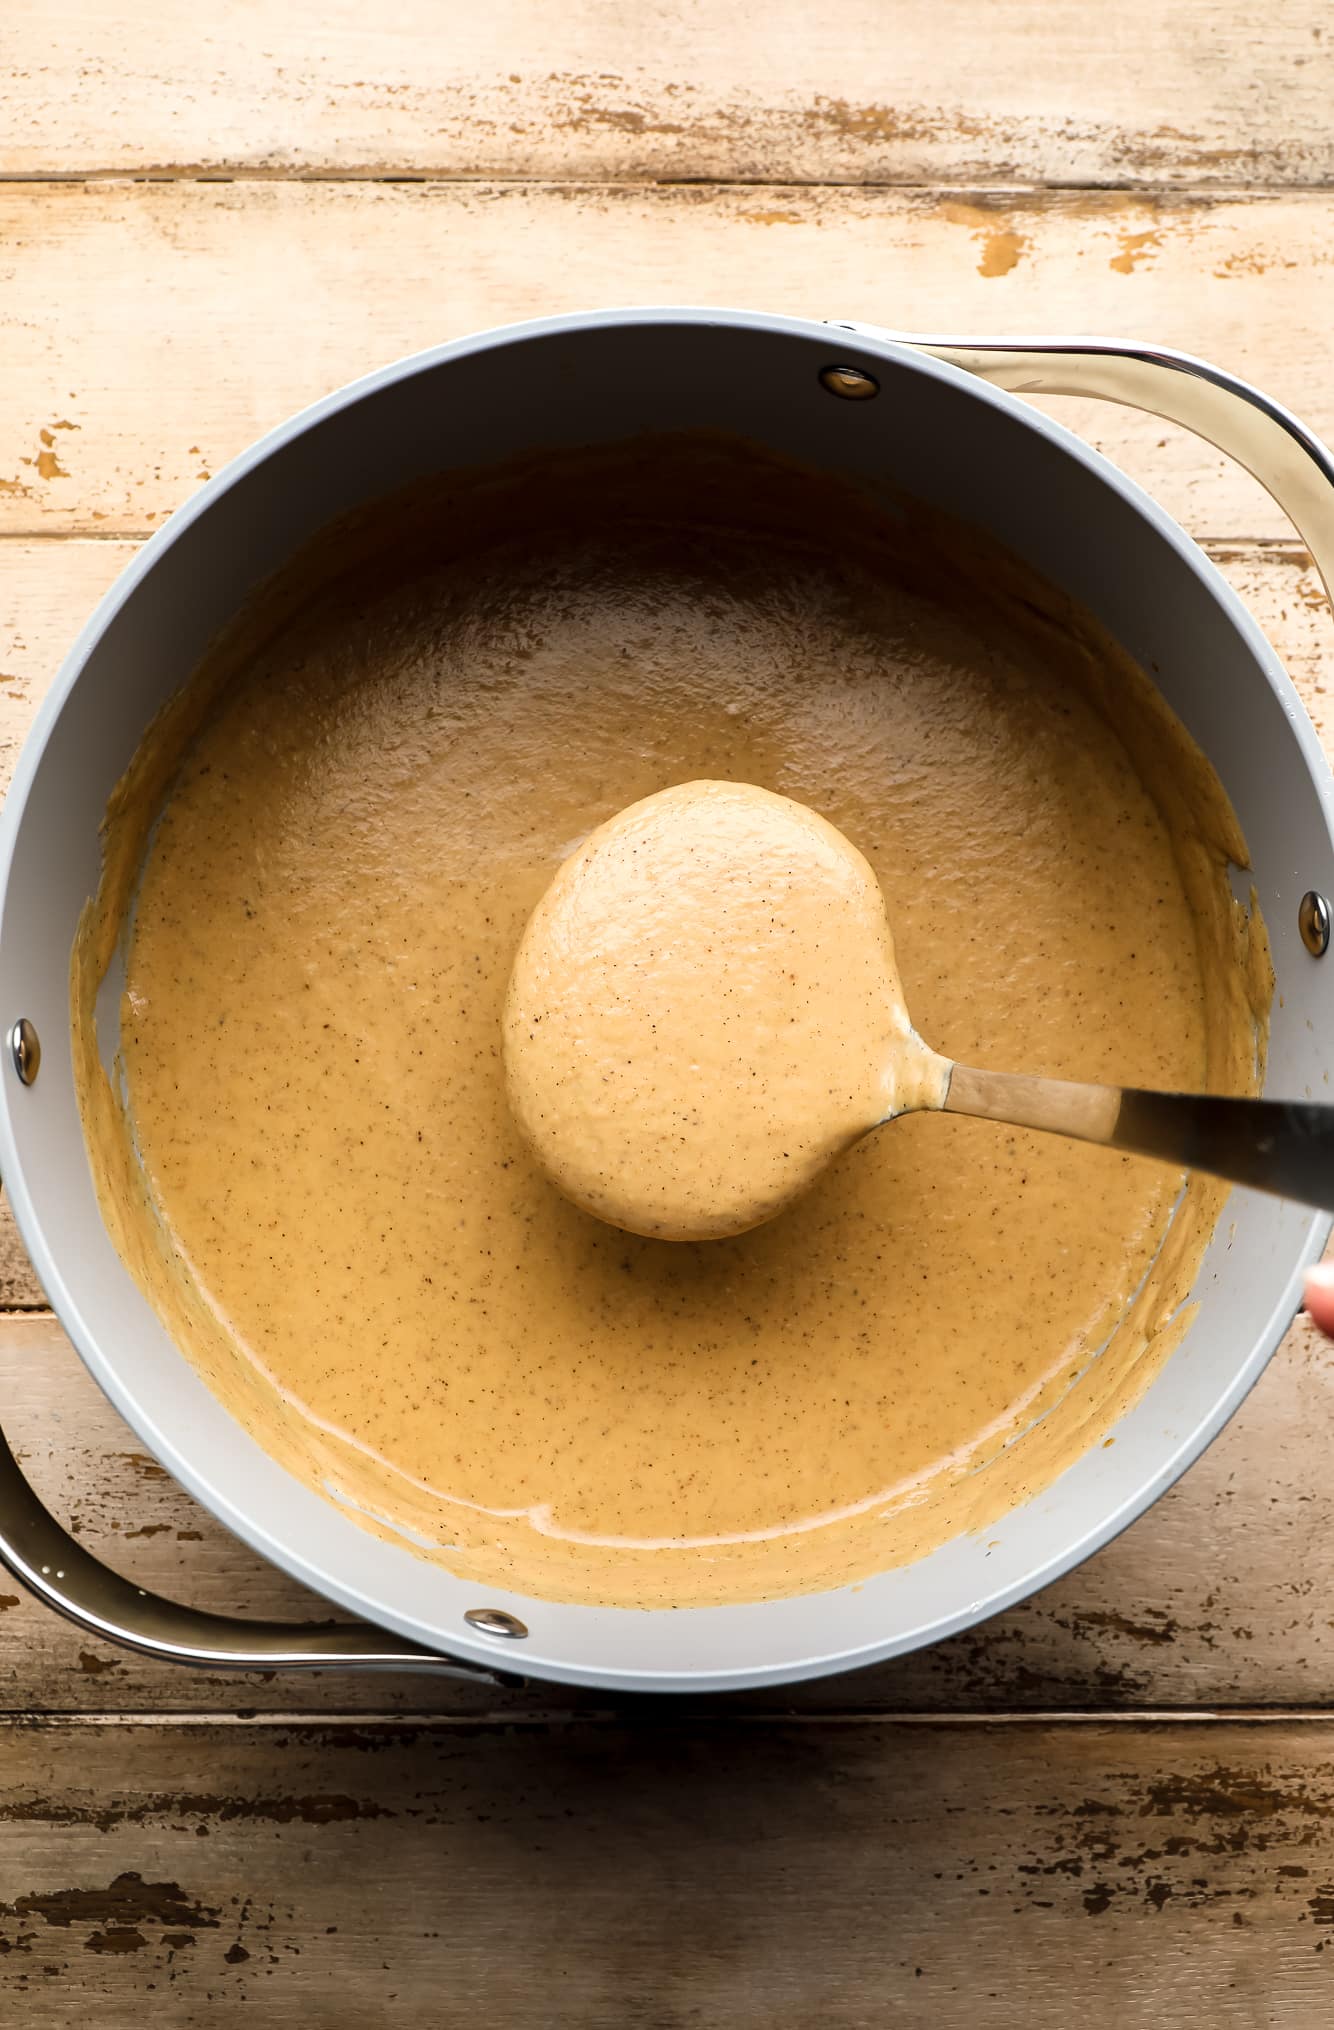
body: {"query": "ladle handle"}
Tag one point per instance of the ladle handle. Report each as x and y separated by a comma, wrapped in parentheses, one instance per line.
(1289, 461)
(1282, 1147)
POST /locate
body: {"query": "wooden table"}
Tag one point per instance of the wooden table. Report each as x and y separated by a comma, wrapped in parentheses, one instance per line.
(1113, 1805)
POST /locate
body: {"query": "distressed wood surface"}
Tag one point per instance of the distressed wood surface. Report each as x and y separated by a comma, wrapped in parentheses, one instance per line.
(151, 330)
(670, 1874)
(338, 1850)
(1222, 1595)
(1041, 91)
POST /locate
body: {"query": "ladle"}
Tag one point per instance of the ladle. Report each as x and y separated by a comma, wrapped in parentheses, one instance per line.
(705, 1010)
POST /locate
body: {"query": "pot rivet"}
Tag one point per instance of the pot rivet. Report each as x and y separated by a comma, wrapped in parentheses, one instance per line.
(1313, 922)
(850, 383)
(495, 1621)
(25, 1050)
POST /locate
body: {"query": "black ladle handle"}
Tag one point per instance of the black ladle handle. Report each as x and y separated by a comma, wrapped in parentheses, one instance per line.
(1279, 1146)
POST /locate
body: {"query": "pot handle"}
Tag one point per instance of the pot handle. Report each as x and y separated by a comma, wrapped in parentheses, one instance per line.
(54, 1565)
(1268, 440)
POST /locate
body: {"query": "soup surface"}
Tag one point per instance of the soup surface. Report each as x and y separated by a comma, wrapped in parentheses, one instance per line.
(317, 873)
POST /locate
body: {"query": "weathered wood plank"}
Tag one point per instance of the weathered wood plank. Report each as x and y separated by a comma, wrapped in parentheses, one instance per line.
(1219, 1597)
(19, 1287)
(1156, 1877)
(663, 1869)
(151, 330)
(1042, 91)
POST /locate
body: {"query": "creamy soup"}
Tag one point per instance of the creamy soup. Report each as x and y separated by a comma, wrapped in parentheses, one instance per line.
(307, 1155)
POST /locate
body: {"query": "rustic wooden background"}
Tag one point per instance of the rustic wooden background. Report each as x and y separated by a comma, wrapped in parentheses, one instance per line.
(1114, 1805)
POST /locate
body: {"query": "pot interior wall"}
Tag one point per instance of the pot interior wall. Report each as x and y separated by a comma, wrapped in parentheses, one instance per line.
(930, 433)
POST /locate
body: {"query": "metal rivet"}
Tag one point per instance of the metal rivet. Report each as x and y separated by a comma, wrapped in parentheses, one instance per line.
(25, 1050)
(850, 383)
(1313, 922)
(495, 1621)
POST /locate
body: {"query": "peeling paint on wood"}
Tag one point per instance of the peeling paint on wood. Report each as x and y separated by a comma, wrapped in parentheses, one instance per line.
(1043, 91)
(673, 1871)
(534, 1856)
(266, 295)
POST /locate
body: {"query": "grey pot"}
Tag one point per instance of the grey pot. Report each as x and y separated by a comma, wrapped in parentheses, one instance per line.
(933, 418)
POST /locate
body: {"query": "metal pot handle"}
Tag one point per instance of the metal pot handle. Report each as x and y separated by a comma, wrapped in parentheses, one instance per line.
(62, 1574)
(1268, 440)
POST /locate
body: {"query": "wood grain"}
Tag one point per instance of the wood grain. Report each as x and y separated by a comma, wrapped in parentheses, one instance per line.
(19, 1287)
(528, 1858)
(668, 1873)
(1040, 91)
(1220, 1596)
(152, 330)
